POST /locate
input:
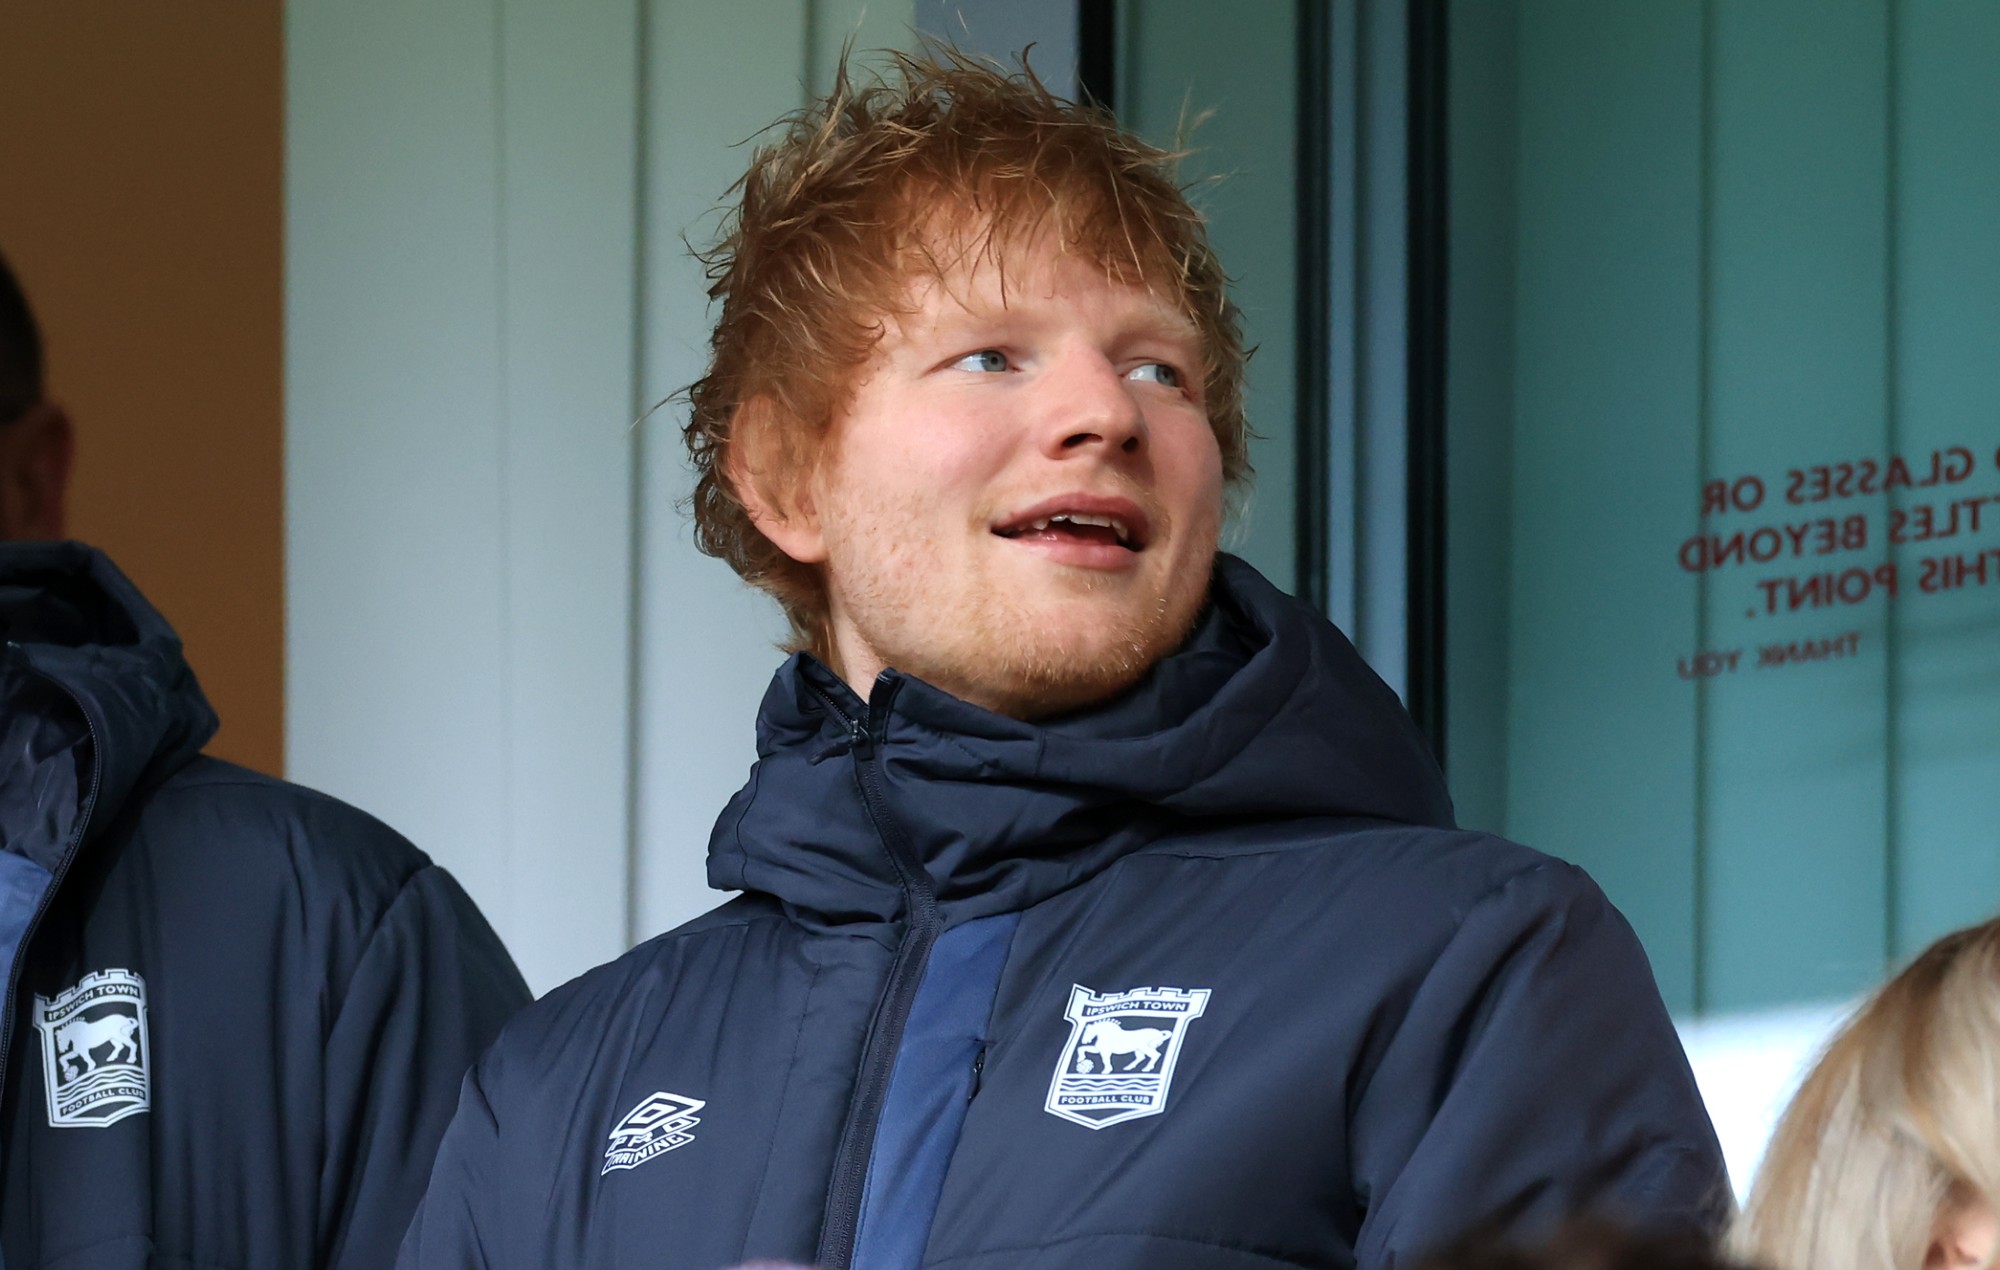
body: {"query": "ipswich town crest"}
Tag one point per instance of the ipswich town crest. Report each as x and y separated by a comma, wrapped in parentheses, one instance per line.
(1119, 1061)
(661, 1122)
(96, 1060)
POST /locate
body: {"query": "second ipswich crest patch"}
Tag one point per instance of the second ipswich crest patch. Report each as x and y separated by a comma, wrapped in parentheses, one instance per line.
(1119, 1062)
(96, 1060)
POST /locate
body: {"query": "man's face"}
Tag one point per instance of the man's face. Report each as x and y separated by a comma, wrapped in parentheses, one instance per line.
(1021, 502)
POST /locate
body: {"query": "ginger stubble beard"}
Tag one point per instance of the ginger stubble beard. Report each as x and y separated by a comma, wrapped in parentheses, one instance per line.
(987, 642)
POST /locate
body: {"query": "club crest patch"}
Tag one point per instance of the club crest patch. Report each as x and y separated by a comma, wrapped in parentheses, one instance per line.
(660, 1123)
(96, 1060)
(1119, 1062)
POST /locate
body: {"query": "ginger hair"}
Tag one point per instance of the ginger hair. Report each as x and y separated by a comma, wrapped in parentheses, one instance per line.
(939, 164)
(1897, 1125)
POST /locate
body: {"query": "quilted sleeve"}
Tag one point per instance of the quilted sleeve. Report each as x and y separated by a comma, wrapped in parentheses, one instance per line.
(430, 993)
(1535, 1074)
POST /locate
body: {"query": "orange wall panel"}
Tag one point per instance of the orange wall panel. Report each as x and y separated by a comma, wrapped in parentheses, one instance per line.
(142, 206)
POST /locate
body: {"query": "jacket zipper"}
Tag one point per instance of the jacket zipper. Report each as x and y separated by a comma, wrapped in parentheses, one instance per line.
(61, 869)
(892, 1010)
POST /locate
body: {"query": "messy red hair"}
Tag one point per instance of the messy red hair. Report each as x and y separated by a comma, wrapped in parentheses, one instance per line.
(938, 163)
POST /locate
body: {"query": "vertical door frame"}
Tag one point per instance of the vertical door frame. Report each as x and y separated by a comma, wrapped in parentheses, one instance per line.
(1371, 418)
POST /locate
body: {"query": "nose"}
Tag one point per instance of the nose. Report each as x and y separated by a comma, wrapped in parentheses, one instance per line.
(1091, 407)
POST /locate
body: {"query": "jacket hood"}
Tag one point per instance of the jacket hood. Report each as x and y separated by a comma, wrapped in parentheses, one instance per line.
(95, 697)
(1267, 713)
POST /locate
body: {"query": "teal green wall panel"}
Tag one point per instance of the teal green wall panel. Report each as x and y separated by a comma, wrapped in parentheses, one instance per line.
(1794, 803)
(1484, 141)
(1601, 732)
(1748, 239)
(1946, 691)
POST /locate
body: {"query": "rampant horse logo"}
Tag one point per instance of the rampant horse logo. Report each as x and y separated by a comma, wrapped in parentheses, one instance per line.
(96, 1060)
(1119, 1062)
(1106, 1040)
(77, 1038)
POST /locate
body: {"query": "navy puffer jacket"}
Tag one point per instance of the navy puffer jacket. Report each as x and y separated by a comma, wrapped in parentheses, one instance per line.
(1204, 978)
(237, 1011)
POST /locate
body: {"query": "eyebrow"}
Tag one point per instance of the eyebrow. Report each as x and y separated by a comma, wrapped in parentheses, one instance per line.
(1150, 321)
(1161, 322)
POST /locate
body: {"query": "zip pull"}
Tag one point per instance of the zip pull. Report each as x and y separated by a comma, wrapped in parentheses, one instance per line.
(857, 725)
(978, 1072)
(881, 700)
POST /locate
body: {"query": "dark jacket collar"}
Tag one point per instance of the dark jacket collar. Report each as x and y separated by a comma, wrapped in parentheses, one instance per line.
(95, 698)
(1266, 713)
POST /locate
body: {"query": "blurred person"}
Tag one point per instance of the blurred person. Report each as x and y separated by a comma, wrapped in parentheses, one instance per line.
(237, 1011)
(1583, 1245)
(1099, 906)
(1888, 1158)
(35, 441)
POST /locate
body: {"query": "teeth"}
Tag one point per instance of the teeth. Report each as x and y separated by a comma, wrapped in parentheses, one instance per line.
(1082, 518)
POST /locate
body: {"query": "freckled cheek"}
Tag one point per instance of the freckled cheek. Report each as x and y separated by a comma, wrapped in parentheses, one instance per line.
(939, 449)
(1193, 468)
(967, 452)
(959, 490)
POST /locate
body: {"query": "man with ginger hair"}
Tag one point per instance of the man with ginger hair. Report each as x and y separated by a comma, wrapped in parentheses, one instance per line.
(1098, 906)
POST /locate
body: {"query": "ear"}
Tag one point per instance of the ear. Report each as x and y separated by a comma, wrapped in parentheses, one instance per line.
(766, 475)
(36, 452)
(1966, 1236)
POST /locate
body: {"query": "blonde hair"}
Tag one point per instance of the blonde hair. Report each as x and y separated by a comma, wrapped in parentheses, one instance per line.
(1898, 1123)
(838, 215)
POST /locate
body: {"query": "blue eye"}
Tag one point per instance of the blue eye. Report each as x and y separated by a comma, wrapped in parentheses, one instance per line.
(989, 361)
(1158, 372)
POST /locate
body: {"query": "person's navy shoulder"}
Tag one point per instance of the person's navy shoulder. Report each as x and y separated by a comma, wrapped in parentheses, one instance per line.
(245, 850)
(245, 820)
(1425, 875)
(565, 1026)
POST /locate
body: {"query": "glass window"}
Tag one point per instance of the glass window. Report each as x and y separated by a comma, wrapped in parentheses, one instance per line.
(1724, 471)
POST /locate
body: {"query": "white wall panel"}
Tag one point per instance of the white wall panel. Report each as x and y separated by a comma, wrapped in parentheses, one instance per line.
(395, 645)
(707, 643)
(715, 77)
(459, 343)
(1002, 31)
(569, 305)
(501, 638)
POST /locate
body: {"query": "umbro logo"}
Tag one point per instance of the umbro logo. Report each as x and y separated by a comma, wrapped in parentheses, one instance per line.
(660, 1123)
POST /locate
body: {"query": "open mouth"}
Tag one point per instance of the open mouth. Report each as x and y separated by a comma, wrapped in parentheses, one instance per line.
(1108, 523)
